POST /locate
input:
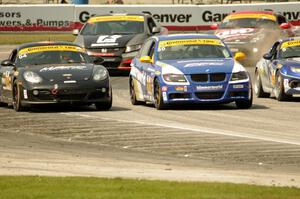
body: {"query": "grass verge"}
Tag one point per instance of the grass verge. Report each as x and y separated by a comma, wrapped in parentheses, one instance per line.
(86, 187)
(20, 38)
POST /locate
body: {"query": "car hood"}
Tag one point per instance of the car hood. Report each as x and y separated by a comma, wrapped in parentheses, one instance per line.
(197, 66)
(63, 72)
(239, 34)
(111, 41)
(291, 61)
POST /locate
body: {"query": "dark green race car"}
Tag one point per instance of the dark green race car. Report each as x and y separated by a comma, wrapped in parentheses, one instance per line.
(58, 72)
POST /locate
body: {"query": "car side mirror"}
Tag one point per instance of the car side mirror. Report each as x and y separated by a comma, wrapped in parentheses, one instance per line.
(239, 56)
(7, 62)
(155, 30)
(75, 32)
(214, 26)
(98, 60)
(146, 59)
(267, 56)
(285, 26)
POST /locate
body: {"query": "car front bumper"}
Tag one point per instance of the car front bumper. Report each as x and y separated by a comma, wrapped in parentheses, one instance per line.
(85, 92)
(212, 93)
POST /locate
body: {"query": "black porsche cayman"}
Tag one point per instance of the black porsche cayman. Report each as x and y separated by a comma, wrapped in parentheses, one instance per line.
(53, 72)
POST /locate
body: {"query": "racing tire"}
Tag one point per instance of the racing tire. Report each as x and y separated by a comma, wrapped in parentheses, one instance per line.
(133, 98)
(158, 98)
(258, 89)
(2, 104)
(104, 106)
(17, 101)
(279, 88)
(245, 104)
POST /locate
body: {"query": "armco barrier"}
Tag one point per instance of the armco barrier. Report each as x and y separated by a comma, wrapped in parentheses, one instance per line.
(175, 17)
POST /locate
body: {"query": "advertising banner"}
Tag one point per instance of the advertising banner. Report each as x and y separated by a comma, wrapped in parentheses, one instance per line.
(36, 17)
(175, 17)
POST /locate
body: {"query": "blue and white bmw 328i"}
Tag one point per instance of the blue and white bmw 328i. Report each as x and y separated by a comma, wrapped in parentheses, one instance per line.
(193, 68)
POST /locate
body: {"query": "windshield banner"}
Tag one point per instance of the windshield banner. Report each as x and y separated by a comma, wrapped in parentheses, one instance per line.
(37, 49)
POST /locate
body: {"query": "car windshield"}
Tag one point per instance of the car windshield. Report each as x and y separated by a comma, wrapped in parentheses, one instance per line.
(192, 51)
(248, 23)
(113, 28)
(52, 57)
(290, 49)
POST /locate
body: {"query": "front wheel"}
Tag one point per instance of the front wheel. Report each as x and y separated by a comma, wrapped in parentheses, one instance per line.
(17, 101)
(104, 106)
(132, 93)
(158, 98)
(245, 104)
(279, 88)
(258, 89)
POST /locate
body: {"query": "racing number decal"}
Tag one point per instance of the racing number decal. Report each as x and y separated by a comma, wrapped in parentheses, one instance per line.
(6, 81)
(149, 85)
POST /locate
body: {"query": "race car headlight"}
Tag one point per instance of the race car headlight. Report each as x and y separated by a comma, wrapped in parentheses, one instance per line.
(241, 75)
(295, 69)
(100, 74)
(174, 78)
(133, 48)
(32, 77)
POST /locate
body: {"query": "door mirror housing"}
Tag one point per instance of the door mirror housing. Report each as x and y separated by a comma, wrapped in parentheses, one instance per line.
(239, 56)
(267, 56)
(7, 62)
(155, 30)
(285, 26)
(146, 59)
(75, 32)
(214, 26)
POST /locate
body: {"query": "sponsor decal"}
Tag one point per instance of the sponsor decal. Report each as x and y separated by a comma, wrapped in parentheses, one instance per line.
(235, 32)
(286, 83)
(257, 16)
(58, 68)
(206, 88)
(273, 77)
(238, 86)
(165, 97)
(6, 81)
(178, 42)
(203, 64)
(208, 16)
(25, 94)
(70, 82)
(116, 18)
(290, 44)
(107, 40)
(23, 52)
(170, 17)
(179, 88)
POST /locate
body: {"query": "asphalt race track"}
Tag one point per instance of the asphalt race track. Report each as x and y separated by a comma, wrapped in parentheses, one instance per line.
(211, 143)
